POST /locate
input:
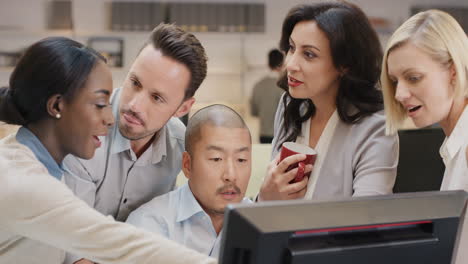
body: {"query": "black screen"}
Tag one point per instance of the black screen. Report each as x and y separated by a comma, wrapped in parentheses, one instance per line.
(420, 167)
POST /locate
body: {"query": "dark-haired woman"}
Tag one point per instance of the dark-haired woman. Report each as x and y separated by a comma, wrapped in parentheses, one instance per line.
(332, 104)
(59, 94)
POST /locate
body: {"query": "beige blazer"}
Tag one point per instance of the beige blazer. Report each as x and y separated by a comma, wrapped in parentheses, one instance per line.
(361, 160)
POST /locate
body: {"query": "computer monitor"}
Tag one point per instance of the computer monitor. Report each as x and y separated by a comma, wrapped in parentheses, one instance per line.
(408, 228)
(420, 167)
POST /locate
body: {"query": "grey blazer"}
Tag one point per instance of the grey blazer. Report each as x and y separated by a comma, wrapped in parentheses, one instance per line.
(361, 160)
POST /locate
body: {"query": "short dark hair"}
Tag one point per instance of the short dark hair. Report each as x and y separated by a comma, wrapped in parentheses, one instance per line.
(354, 46)
(275, 59)
(183, 47)
(55, 65)
(217, 115)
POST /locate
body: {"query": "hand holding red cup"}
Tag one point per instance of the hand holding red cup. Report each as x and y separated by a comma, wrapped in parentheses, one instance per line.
(292, 148)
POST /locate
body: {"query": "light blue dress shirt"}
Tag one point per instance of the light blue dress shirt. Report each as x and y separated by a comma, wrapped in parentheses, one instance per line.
(178, 216)
(27, 138)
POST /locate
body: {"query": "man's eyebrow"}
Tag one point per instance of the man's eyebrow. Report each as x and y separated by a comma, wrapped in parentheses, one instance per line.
(242, 149)
(136, 79)
(213, 147)
(153, 90)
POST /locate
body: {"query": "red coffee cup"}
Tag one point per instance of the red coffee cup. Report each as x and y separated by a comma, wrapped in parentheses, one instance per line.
(292, 148)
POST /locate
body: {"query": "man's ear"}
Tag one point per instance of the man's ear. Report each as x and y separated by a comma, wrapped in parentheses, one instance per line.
(185, 107)
(186, 164)
(55, 105)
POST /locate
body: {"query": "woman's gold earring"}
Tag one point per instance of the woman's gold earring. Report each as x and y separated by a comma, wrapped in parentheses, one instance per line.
(58, 116)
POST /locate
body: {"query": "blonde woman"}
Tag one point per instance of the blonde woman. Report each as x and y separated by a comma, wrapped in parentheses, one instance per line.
(424, 77)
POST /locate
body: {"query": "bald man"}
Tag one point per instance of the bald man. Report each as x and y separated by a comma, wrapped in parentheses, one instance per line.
(217, 164)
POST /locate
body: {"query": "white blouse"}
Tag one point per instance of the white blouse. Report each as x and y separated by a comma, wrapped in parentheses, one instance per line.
(453, 153)
(321, 148)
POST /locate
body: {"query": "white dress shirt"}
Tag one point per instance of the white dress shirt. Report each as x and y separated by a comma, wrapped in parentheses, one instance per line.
(453, 153)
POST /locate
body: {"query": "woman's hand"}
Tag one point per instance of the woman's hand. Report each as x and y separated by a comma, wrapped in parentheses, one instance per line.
(277, 186)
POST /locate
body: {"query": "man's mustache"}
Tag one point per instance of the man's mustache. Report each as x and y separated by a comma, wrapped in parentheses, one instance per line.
(228, 187)
(134, 114)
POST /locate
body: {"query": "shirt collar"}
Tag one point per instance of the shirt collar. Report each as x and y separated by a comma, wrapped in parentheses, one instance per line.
(158, 146)
(189, 206)
(120, 143)
(457, 138)
(27, 138)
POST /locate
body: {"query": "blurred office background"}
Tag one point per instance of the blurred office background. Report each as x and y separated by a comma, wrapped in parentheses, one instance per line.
(237, 35)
